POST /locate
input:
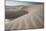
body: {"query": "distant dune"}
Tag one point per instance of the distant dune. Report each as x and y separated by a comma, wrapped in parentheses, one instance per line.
(14, 11)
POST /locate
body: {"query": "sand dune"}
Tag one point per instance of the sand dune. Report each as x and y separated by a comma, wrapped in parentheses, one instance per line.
(33, 19)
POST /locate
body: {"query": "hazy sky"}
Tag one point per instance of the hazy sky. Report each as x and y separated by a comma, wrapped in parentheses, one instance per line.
(13, 2)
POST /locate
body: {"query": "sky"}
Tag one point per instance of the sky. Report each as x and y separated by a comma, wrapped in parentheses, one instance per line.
(13, 2)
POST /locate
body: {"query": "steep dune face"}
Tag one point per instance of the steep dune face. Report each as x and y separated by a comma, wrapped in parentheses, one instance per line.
(33, 19)
(14, 12)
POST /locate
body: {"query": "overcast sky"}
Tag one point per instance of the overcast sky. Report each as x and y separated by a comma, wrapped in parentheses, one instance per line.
(13, 2)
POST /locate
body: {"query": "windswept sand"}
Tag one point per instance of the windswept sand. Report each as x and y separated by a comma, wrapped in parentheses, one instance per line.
(33, 19)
